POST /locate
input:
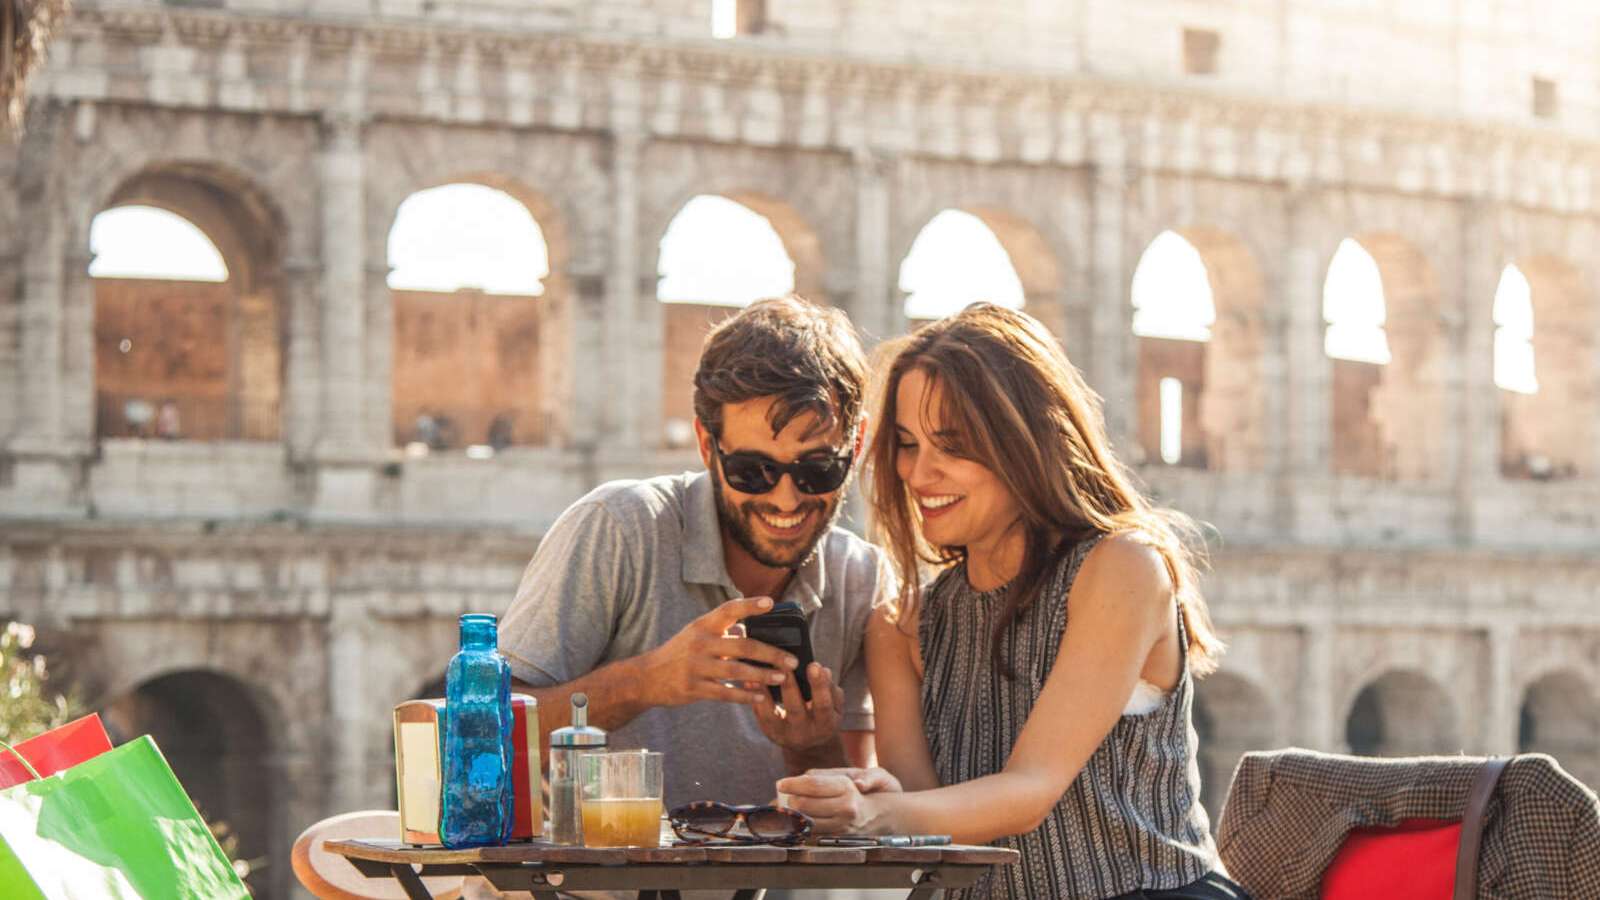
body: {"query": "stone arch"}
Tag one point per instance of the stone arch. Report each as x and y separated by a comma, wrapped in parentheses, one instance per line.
(1560, 715)
(518, 348)
(1224, 414)
(684, 325)
(1232, 715)
(218, 355)
(1540, 438)
(1402, 713)
(215, 732)
(1389, 420)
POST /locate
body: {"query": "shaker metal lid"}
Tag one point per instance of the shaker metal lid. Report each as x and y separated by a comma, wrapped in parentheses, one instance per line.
(579, 733)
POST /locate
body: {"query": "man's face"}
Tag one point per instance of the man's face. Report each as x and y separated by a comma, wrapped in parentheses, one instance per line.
(782, 527)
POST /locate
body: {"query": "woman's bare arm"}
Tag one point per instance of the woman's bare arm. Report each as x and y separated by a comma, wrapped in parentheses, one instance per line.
(1120, 608)
(896, 685)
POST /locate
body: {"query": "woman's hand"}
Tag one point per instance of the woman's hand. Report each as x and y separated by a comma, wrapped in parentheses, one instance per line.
(839, 801)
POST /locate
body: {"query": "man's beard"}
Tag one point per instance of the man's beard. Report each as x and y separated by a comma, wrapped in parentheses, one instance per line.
(738, 521)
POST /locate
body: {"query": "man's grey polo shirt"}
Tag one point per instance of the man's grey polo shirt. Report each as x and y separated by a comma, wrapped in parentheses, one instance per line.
(632, 563)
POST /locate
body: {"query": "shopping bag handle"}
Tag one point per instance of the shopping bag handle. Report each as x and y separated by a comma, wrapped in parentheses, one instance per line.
(22, 759)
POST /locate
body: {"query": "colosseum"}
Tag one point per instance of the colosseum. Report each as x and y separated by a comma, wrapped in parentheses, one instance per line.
(223, 510)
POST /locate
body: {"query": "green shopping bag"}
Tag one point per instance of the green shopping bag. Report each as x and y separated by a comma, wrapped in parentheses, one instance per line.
(117, 826)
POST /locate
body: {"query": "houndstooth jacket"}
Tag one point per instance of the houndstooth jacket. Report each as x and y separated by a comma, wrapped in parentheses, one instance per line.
(1289, 810)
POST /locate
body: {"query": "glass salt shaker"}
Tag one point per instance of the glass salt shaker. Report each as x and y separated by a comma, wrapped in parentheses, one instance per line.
(566, 818)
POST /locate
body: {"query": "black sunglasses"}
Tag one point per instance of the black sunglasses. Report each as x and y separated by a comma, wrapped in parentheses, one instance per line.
(749, 472)
(708, 820)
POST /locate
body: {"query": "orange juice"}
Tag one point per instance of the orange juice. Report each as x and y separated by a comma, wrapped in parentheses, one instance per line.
(622, 822)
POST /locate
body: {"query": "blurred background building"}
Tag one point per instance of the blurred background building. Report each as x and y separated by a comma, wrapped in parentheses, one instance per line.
(313, 315)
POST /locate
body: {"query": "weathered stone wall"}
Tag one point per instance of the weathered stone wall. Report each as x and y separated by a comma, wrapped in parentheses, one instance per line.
(318, 574)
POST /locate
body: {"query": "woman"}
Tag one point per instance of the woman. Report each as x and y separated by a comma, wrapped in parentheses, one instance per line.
(1037, 692)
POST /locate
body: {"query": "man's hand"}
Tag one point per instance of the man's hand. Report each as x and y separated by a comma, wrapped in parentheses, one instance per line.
(799, 727)
(701, 662)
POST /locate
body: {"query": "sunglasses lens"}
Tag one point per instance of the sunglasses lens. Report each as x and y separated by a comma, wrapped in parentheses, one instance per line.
(820, 476)
(773, 824)
(707, 818)
(750, 474)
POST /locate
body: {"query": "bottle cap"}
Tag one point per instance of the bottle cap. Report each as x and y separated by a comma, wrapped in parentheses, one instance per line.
(579, 733)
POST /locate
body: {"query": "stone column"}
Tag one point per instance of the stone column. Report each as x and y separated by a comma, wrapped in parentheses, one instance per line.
(1306, 440)
(637, 374)
(1111, 365)
(377, 403)
(53, 423)
(302, 394)
(1502, 713)
(41, 329)
(874, 309)
(347, 471)
(340, 170)
(1474, 399)
(349, 701)
(583, 422)
(1319, 729)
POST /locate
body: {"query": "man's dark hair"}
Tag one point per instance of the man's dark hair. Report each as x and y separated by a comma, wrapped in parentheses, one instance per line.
(805, 355)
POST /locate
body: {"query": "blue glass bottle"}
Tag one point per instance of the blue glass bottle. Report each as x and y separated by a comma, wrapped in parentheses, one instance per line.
(476, 808)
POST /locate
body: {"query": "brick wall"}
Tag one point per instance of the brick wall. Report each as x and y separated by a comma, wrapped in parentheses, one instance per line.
(467, 357)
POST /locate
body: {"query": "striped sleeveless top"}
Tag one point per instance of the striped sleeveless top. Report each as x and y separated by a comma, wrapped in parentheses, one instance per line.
(1131, 820)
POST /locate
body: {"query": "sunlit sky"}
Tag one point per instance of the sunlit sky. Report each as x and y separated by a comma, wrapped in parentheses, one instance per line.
(145, 242)
(467, 236)
(718, 251)
(955, 261)
(1172, 292)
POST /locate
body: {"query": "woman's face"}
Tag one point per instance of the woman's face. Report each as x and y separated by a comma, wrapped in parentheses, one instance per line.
(960, 502)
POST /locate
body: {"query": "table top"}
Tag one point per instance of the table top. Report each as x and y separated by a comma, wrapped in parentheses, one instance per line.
(390, 851)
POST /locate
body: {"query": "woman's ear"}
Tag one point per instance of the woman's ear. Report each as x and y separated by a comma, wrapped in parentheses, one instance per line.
(861, 439)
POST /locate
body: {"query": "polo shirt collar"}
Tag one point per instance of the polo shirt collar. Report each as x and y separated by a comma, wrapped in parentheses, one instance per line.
(703, 562)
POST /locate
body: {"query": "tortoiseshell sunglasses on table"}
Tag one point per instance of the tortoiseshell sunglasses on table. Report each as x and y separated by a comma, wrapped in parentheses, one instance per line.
(709, 820)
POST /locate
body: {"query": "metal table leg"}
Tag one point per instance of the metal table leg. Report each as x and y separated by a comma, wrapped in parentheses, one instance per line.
(410, 882)
(927, 887)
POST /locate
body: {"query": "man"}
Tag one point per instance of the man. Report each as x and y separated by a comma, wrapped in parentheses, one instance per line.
(631, 595)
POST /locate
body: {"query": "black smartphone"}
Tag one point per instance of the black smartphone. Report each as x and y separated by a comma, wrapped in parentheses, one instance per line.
(786, 628)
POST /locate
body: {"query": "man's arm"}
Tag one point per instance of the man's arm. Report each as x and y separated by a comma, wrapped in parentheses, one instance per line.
(701, 662)
(615, 699)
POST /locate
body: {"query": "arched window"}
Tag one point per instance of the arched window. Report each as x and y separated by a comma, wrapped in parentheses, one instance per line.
(1173, 312)
(1172, 292)
(732, 18)
(1355, 311)
(1544, 368)
(717, 256)
(1353, 306)
(467, 237)
(162, 306)
(718, 252)
(957, 260)
(146, 242)
(466, 264)
(1513, 334)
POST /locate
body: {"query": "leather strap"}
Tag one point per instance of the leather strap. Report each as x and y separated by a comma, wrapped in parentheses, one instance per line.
(1472, 828)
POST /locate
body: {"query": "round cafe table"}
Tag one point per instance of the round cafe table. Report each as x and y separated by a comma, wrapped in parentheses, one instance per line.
(660, 873)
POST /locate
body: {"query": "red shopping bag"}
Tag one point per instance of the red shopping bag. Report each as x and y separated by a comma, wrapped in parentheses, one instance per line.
(57, 749)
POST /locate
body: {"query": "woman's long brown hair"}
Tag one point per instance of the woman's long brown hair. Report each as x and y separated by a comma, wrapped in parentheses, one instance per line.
(1011, 401)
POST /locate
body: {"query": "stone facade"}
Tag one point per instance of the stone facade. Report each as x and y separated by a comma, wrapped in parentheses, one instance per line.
(1398, 585)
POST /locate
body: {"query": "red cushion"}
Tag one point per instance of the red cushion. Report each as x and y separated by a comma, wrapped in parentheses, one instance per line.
(1415, 860)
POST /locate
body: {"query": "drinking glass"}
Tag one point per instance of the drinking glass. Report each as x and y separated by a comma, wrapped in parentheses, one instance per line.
(620, 793)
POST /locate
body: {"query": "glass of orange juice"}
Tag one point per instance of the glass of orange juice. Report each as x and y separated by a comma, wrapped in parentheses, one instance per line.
(620, 793)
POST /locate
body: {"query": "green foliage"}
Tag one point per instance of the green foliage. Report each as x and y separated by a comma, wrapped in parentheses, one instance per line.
(27, 706)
